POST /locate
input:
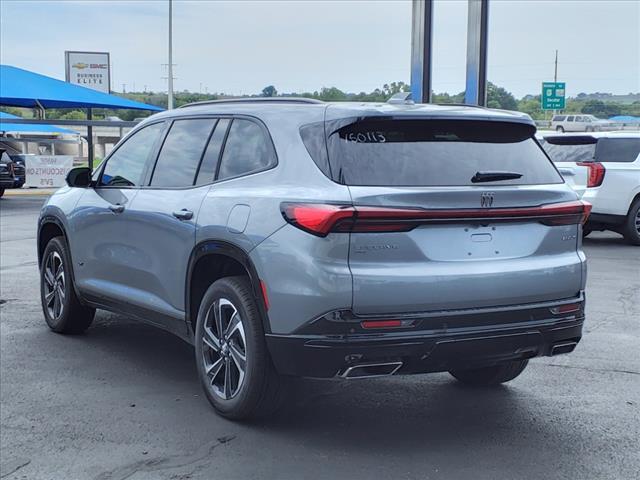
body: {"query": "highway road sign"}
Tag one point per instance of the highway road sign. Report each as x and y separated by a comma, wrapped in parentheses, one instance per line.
(553, 95)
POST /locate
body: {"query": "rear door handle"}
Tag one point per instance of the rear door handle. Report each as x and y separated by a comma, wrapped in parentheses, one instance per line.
(183, 214)
(116, 208)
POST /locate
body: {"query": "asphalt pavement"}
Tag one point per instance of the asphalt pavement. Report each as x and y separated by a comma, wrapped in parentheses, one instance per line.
(123, 401)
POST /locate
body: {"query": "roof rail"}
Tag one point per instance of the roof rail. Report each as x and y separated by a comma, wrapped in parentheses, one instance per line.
(255, 100)
(460, 105)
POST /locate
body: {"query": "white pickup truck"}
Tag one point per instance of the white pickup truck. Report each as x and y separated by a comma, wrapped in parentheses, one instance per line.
(604, 169)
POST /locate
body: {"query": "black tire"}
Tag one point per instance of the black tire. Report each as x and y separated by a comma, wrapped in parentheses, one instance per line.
(259, 390)
(631, 229)
(560, 129)
(1, 192)
(490, 376)
(56, 279)
(586, 232)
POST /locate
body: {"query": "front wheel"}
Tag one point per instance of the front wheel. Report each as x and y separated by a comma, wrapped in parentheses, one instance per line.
(560, 129)
(62, 309)
(233, 362)
(490, 376)
(632, 224)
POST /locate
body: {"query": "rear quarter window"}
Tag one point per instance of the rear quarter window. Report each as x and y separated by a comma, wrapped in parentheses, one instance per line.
(382, 152)
(617, 149)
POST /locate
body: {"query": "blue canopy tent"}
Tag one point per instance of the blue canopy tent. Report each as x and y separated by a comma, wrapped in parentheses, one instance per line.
(6, 125)
(22, 88)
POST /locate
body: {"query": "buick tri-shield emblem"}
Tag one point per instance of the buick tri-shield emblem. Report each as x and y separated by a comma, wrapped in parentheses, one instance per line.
(486, 199)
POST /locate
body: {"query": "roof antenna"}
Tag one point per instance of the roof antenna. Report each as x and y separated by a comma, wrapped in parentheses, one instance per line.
(401, 98)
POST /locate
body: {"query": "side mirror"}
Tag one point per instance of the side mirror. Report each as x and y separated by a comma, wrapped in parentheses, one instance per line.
(79, 177)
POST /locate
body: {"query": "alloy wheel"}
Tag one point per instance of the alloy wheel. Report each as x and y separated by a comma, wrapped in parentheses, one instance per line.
(224, 349)
(54, 285)
(637, 221)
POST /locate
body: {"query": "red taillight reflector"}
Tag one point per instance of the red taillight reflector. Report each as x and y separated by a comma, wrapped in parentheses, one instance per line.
(568, 308)
(263, 288)
(381, 323)
(596, 173)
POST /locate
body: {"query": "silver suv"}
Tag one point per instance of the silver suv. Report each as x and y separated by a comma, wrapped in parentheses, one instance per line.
(297, 238)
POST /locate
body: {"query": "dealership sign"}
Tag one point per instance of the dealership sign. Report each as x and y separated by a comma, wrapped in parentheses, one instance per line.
(88, 69)
(47, 170)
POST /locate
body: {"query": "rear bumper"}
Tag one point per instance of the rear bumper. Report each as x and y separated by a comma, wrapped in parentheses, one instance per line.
(518, 333)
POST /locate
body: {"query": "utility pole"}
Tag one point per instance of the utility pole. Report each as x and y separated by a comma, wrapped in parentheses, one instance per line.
(555, 79)
(170, 65)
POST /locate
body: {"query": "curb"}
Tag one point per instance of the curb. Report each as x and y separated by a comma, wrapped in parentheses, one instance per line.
(27, 191)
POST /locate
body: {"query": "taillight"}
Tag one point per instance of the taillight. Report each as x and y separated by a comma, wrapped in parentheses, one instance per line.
(322, 219)
(595, 174)
(319, 219)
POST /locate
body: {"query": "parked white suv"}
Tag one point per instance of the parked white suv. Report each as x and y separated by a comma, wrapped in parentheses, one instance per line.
(580, 123)
(604, 169)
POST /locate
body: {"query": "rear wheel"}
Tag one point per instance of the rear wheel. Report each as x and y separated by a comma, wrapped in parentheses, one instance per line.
(62, 309)
(233, 363)
(632, 225)
(489, 376)
(559, 129)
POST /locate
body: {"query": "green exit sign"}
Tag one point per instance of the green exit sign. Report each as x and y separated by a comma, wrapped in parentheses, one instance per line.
(553, 95)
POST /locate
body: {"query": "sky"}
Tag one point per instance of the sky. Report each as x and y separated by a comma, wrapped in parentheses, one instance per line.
(239, 47)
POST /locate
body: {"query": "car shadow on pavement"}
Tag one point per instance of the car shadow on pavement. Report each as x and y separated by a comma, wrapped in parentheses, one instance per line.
(408, 413)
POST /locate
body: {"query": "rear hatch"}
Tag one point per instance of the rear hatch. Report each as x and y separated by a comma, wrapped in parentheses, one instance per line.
(569, 153)
(453, 214)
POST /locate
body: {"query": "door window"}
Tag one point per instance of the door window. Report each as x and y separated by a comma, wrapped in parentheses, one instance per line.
(125, 168)
(247, 150)
(570, 119)
(181, 153)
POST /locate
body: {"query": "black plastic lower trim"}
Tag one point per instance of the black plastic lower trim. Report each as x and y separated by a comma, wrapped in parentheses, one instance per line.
(423, 351)
(596, 219)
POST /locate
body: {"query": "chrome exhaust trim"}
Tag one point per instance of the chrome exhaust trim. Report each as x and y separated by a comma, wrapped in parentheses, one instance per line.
(370, 370)
(564, 347)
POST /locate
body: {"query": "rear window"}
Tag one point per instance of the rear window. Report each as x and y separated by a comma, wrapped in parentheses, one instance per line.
(570, 152)
(617, 149)
(383, 152)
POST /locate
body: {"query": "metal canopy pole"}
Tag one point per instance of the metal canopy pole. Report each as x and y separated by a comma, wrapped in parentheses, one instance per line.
(90, 139)
(477, 32)
(421, 46)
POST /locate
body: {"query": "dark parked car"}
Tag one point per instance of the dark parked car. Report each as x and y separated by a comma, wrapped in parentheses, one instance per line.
(12, 173)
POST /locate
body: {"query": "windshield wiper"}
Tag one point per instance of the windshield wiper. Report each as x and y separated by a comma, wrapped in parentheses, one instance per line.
(494, 176)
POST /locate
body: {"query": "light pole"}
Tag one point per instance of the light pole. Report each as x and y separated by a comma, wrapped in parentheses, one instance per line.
(170, 66)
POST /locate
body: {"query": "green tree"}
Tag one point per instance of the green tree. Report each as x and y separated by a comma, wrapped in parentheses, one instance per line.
(601, 109)
(498, 97)
(269, 91)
